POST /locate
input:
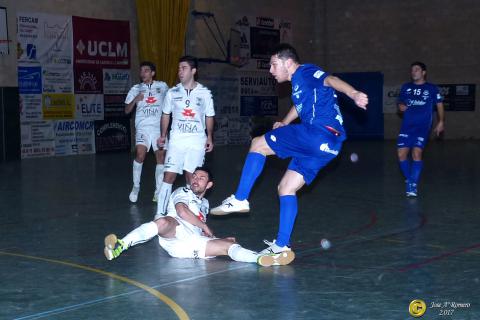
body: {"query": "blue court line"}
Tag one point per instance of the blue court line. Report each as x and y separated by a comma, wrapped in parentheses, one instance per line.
(74, 307)
(100, 300)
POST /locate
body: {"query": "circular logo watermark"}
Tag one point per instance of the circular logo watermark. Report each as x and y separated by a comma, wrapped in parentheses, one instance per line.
(417, 308)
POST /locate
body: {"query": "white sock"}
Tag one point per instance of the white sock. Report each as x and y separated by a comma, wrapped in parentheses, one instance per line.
(238, 253)
(163, 197)
(137, 172)
(141, 234)
(158, 176)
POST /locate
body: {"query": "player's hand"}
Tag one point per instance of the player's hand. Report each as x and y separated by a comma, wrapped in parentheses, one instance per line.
(206, 230)
(161, 142)
(439, 128)
(360, 99)
(278, 124)
(209, 145)
(402, 107)
(139, 97)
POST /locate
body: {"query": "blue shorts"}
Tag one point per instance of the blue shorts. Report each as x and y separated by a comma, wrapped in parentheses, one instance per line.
(413, 137)
(310, 148)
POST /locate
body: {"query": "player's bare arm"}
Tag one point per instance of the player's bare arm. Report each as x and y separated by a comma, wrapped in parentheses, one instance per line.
(186, 214)
(360, 98)
(209, 124)
(440, 127)
(291, 115)
(129, 107)
(163, 129)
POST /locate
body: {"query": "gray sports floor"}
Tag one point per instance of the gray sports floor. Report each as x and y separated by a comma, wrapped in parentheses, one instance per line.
(387, 250)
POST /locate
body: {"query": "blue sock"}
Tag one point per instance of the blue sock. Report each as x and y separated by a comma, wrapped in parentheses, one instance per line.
(288, 213)
(416, 170)
(405, 167)
(251, 170)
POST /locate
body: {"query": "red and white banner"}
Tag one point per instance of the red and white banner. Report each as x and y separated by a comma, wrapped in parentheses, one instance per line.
(101, 43)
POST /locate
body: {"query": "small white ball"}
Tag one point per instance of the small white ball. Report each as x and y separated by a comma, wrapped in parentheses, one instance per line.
(325, 244)
(354, 157)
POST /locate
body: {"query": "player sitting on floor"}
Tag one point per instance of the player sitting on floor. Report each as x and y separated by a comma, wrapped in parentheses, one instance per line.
(183, 232)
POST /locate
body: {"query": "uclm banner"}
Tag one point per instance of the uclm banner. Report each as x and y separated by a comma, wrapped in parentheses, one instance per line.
(101, 43)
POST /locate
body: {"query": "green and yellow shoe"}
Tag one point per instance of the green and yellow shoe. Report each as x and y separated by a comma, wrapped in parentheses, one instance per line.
(113, 247)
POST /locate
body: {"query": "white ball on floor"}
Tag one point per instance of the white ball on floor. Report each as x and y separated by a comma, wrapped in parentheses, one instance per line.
(354, 157)
(325, 244)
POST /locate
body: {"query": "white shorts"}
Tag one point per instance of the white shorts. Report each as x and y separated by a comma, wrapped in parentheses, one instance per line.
(186, 243)
(184, 154)
(148, 137)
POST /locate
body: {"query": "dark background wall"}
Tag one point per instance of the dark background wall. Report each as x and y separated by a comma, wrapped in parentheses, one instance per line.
(9, 124)
(372, 36)
(341, 36)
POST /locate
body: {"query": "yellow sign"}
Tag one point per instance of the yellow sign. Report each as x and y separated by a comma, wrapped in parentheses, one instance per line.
(417, 308)
(58, 106)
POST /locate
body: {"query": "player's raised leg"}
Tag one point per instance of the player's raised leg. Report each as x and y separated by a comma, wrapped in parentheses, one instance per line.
(163, 226)
(253, 166)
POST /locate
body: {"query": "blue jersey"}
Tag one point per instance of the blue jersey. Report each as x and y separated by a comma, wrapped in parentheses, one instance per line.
(420, 101)
(316, 103)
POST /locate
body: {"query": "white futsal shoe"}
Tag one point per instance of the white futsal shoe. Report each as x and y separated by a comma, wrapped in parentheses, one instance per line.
(276, 259)
(274, 248)
(133, 196)
(231, 205)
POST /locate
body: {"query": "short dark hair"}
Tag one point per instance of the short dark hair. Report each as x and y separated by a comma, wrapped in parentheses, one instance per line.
(205, 169)
(286, 51)
(149, 64)
(192, 61)
(422, 65)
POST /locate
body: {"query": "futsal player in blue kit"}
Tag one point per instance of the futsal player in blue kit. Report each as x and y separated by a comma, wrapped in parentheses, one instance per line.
(416, 101)
(311, 144)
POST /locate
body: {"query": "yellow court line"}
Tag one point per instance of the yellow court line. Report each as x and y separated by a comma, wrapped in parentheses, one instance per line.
(182, 315)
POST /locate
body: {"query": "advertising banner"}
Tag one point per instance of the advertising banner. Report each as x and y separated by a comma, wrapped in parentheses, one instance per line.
(258, 95)
(74, 137)
(38, 139)
(30, 79)
(89, 106)
(58, 106)
(112, 135)
(30, 107)
(44, 39)
(101, 43)
(116, 81)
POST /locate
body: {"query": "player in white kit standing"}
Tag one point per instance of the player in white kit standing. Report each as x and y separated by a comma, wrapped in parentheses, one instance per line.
(190, 105)
(148, 96)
